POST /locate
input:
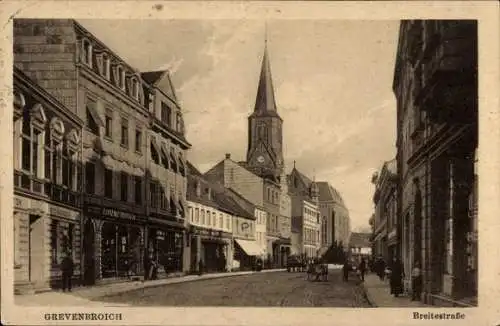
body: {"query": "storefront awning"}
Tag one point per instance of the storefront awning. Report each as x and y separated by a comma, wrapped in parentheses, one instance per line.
(251, 248)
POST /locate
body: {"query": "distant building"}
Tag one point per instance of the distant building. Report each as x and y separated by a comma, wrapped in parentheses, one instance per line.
(360, 246)
(436, 87)
(335, 221)
(306, 225)
(385, 235)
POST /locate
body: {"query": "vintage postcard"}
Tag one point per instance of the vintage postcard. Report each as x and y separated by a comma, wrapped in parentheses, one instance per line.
(230, 163)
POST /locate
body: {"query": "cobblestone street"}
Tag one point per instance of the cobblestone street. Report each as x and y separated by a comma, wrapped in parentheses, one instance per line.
(260, 289)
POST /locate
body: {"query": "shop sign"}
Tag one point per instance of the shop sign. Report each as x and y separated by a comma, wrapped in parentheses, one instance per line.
(109, 212)
(62, 212)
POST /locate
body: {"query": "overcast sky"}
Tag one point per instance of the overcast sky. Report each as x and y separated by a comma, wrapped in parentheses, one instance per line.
(332, 82)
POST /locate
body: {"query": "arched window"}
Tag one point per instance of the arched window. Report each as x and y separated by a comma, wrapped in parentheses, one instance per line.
(106, 66)
(135, 88)
(120, 77)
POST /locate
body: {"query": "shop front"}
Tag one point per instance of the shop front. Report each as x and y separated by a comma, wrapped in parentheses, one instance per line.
(113, 243)
(165, 246)
(212, 247)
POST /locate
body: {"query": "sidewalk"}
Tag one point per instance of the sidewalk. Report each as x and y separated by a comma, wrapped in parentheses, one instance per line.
(378, 293)
(88, 296)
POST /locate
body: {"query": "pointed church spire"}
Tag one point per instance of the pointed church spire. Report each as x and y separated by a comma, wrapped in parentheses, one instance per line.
(265, 101)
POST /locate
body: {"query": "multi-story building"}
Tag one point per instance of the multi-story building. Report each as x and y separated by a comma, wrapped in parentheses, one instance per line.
(118, 107)
(246, 190)
(385, 225)
(360, 246)
(306, 224)
(166, 181)
(435, 83)
(335, 221)
(47, 156)
(285, 220)
(211, 226)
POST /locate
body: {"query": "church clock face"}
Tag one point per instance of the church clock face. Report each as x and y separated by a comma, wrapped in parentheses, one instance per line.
(260, 159)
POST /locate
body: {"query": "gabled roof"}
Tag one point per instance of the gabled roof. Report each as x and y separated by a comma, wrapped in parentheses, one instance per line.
(360, 240)
(195, 178)
(229, 204)
(156, 77)
(329, 193)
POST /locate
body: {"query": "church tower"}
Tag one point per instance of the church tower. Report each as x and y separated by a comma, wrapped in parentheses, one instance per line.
(265, 134)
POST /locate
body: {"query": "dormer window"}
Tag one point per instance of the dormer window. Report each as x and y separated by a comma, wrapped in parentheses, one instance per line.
(135, 88)
(120, 77)
(106, 66)
(87, 52)
(150, 101)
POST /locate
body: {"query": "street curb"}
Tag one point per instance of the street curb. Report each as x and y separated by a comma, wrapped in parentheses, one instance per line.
(147, 286)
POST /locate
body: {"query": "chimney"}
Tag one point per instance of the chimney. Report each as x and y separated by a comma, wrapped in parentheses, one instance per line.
(228, 156)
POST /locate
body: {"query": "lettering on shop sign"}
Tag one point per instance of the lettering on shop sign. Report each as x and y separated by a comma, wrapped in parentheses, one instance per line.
(117, 214)
(57, 211)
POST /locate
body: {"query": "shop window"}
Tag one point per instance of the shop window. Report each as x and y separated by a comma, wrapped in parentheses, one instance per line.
(124, 133)
(138, 190)
(138, 140)
(108, 124)
(54, 243)
(108, 183)
(124, 186)
(90, 177)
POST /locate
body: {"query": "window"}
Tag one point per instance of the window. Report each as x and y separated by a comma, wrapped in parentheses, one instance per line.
(135, 88)
(120, 77)
(228, 223)
(150, 101)
(221, 221)
(197, 215)
(87, 52)
(108, 183)
(138, 189)
(154, 154)
(164, 160)
(203, 217)
(124, 186)
(153, 192)
(214, 219)
(31, 149)
(124, 132)
(71, 231)
(92, 119)
(90, 177)
(163, 199)
(108, 125)
(138, 140)
(68, 167)
(179, 126)
(106, 62)
(166, 114)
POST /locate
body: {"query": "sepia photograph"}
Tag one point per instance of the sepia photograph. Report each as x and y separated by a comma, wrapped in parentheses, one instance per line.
(239, 163)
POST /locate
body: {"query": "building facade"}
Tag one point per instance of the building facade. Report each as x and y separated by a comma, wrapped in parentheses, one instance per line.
(306, 223)
(210, 226)
(335, 221)
(385, 235)
(47, 157)
(166, 177)
(435, 84)
(119, 108)
(360, 247)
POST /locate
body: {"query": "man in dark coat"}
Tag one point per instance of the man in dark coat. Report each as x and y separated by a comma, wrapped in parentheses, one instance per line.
(396, 278)
(362, 269)
(345, 270)
(67, 267)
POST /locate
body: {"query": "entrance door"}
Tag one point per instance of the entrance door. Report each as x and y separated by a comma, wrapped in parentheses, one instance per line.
(89, 253)
(36, 249)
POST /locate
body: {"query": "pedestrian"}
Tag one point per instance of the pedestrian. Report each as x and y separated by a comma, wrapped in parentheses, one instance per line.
(380, 267)
(416, 282)
(67, 267)
(200, 267)
(362, 269)
(396, 277)
(345, 270)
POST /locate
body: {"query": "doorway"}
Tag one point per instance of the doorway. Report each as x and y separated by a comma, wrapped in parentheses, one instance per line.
(36, 252)
(89, 253)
